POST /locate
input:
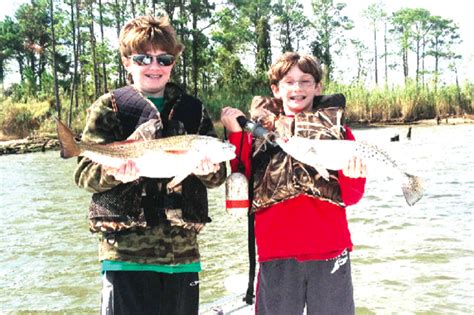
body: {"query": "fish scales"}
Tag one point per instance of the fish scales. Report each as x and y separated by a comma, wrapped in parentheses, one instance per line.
(176, 156)
(326, 155)
(136, 148)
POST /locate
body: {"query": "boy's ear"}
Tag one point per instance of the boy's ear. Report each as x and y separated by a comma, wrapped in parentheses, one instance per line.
(275, 90)
(319, 88)
(126, 61)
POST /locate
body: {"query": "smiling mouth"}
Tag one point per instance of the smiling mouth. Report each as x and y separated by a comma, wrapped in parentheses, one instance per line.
(298, 98)
(154, 76)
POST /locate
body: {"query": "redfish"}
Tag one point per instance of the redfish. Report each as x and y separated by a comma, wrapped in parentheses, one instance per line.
(175, 156)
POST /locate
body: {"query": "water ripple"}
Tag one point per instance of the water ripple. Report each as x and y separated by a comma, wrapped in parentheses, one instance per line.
(406, 259)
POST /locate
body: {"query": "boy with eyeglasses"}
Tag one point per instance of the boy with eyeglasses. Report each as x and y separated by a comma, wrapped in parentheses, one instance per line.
(301, 230)
(147, 234)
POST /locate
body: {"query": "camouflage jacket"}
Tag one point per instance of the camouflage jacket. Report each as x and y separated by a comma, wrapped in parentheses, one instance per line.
(278, 176)
(140, 221)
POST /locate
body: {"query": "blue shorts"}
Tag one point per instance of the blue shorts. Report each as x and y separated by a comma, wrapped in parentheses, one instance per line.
(287, 286)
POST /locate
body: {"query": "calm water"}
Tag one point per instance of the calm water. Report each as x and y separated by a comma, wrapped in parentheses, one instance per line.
(406, 259)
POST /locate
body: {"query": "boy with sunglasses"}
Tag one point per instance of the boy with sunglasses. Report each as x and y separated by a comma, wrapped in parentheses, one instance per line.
(301, 230)
(147, 234)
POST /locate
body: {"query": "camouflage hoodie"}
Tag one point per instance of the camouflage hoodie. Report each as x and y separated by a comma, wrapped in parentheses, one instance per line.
(128, 228)
(277, 175)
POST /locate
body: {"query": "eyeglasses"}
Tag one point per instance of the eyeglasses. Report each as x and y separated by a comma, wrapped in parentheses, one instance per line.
(145, 60)
(292, 83)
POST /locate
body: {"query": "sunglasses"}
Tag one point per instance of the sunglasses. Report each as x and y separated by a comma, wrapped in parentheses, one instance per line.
(145, 60)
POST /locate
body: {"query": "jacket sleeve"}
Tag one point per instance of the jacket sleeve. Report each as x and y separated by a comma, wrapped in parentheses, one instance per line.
(352, 189)
(102, 126)
(206, 128)
(243, 152)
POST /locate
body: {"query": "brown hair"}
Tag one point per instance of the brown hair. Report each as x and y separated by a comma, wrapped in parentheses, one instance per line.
(145, 32)
(306, 63)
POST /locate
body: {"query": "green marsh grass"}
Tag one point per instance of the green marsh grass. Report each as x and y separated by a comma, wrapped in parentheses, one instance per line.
(380, 104)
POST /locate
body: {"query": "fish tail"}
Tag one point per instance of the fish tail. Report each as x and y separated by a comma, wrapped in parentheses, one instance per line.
(412, 189)
(69, 147)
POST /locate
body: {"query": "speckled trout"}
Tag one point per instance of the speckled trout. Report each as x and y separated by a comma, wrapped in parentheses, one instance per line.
(326, 155)
(176, 156)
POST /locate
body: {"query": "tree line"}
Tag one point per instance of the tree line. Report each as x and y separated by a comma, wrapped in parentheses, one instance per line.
(67, 50)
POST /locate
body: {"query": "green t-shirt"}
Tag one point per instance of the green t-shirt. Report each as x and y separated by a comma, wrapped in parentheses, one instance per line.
(159, 102)
(112, 265)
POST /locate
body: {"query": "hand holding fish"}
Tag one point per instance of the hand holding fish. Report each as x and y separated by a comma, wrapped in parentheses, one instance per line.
(206, 167)
(229, 119)
(127, 172)
(355, 168)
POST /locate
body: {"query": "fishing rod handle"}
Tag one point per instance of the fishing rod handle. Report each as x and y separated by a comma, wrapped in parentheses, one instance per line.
(256, 129)
(242, 120)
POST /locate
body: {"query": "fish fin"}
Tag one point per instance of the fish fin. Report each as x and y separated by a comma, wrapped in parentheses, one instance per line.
(413, 189)
(322, 171)
(142, 135)
(69, 147)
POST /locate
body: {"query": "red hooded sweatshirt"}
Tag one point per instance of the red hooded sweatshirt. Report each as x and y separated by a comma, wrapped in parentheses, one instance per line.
(303, 227)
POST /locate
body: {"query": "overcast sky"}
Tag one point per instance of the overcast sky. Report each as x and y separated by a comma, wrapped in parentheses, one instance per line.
(457, 10)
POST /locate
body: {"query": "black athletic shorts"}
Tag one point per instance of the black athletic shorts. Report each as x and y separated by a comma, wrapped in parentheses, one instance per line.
(149, 292)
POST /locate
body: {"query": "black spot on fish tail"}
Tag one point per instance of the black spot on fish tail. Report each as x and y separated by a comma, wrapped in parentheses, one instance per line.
(69, 147)
(412, 189)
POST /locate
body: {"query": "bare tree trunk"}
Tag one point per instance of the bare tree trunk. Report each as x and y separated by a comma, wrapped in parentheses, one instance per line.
(93, 50)
(118, 26)
(32, 65)
(263, 51)
(423, 62)
(77, 54)
(385, 54)
(195, 66)
(376, 60)
(183, 55)
(132, 4)
(405, 63)
(417, 75)
(458, 88)
(328, 58)
(104, 70)
(170, 8)
(55, 63)
(21, 67)
(74, 75)
(41, 67)
(2, 76)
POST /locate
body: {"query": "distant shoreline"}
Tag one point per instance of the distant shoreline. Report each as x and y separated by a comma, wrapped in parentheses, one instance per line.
(468, 119)
(42, 143)
(28, 145)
